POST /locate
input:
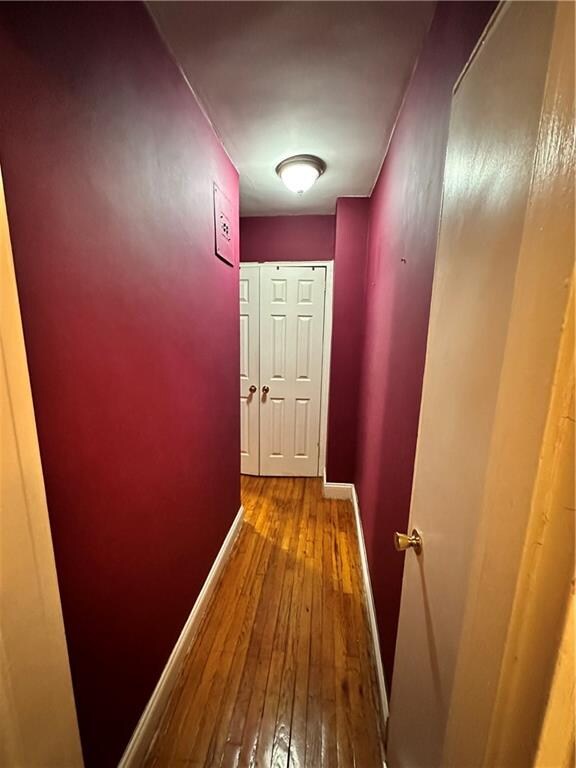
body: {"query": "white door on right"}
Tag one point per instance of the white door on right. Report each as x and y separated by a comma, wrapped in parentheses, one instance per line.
(291, 343)
(498, 300)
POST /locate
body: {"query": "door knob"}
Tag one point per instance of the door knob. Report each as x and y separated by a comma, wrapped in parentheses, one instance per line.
(265, 389)
(252, 389)
(402, 541)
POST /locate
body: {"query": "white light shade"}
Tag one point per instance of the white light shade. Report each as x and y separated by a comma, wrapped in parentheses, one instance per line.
(299, 177)
(299, 173)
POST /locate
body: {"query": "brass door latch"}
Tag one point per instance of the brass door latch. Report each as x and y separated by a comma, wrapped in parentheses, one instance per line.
(402, 541)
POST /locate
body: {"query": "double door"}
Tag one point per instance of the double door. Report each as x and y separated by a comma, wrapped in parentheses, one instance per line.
(281, 348)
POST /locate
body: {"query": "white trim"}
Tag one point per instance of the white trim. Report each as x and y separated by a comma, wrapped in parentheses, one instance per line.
(336, 490)
(371, 609)
(135, 753)
(326, 357)
(326, 345)
(290, 263)
(347, 491)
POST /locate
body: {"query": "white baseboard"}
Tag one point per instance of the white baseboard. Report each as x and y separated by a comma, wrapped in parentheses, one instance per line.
(144, 732)
(371, 609)
(336, 490)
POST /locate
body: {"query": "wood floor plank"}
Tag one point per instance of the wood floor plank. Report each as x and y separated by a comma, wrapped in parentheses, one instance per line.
(264, 743)
(314, 717)
(232, 660)
(228, 739)
(329, 747)
(247, 715)
(345, 645)
(298, 731)
(281, 673)
(281, 744)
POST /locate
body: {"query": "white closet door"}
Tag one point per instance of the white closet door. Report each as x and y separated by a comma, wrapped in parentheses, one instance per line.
(291, 340)
(249, 369)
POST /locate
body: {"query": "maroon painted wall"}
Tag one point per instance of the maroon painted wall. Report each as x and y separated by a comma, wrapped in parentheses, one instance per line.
(130, 321)
(404, 216)
(347, 337)
(287, 238)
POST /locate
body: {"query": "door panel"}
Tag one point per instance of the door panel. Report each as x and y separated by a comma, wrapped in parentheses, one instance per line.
(249, 369)
(528, 496)
(291, 339)
(490, 158)
(37, 712)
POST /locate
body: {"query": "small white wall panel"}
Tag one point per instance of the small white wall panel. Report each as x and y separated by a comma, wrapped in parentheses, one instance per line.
(303, 347)
(277, 445)
(244, 347)
(278, 346)
(244, 427)
(301, 428)
(279, 291)
(305, 291)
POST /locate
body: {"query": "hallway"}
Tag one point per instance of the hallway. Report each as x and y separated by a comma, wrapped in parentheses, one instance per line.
(281, 672)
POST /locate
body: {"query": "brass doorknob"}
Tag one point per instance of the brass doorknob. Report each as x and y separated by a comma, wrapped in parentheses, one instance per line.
(252, 389)
(402, 541)
(265, 389)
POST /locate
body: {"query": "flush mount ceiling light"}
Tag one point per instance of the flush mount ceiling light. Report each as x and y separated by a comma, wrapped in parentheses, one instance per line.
(300, 172)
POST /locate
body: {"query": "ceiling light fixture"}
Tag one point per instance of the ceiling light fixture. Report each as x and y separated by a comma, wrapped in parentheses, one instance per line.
(300, 172)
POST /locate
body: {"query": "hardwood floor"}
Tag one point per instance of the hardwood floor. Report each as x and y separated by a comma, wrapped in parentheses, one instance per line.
(281, 672)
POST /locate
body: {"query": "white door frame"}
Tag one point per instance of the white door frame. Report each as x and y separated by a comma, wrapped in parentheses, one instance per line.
(326, 343)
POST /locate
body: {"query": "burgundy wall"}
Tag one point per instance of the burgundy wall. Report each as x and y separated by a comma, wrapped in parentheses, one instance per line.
(129, 321)
(404, 215)
(347, 337)
(287, 238)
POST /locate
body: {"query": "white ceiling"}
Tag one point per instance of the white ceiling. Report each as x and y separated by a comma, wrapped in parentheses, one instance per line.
(284, 78)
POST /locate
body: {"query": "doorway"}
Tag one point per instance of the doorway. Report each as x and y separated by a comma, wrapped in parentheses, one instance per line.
(285, 331)
(485, 590)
